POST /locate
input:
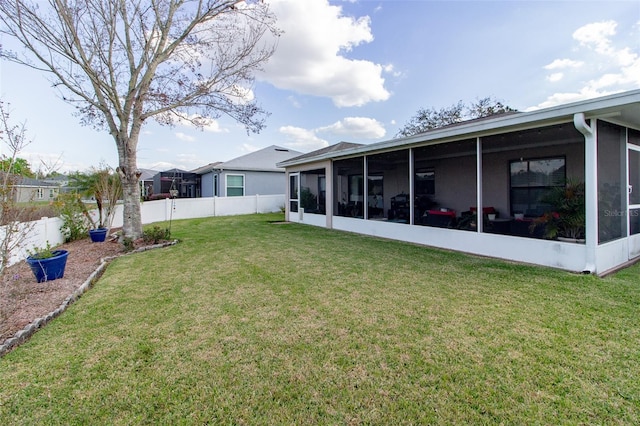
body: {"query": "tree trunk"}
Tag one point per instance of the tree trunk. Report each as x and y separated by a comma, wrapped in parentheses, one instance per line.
(128, 171)
(132, 217)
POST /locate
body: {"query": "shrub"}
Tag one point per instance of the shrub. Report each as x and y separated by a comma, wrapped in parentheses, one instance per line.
(156, 235)
(45, 252)
(72, 211)
(127, 243)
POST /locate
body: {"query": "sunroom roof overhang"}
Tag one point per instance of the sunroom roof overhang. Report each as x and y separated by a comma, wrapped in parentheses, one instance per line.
(622, 108)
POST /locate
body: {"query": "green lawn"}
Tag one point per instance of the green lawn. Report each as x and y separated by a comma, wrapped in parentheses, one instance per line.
(252, 322)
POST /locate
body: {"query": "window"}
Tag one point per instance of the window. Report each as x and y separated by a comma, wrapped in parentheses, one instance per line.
(235, 185)
(425, 182)
(531, 179)
(40, 193)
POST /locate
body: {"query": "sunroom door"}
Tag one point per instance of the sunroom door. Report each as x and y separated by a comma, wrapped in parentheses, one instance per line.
(294, 193)
(633, 153)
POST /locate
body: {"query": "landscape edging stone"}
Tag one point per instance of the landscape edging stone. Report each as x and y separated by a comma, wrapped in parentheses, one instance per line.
(23, 335)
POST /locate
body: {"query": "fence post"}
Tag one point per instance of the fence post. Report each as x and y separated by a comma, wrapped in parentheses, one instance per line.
(45, 222)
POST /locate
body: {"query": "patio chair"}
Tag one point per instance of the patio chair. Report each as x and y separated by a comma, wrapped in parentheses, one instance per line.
(440, 218)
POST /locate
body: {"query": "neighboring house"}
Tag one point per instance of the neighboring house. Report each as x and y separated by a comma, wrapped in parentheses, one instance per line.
(146, 182)
(251, 174)
(58, 180)
(426, 188)
(208, 179)
(29, 189)
(176, 183)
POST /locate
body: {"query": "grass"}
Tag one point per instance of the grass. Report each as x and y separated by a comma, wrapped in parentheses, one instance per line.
(251, 322)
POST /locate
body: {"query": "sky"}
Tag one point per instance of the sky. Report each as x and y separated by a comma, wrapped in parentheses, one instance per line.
(358, 70)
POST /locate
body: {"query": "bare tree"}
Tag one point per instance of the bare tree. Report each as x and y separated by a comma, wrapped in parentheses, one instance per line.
(13, 231)
(122, 62)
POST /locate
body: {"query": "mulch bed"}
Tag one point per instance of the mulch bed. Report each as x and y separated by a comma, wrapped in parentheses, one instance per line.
(22, 299)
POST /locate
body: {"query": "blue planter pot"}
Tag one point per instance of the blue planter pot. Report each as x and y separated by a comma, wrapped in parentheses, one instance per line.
(50, 268)
(98, 235)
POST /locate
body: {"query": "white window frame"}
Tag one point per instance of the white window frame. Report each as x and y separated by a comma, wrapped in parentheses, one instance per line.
(226, 184)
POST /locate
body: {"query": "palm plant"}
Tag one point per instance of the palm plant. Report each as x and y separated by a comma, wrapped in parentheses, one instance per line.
(567, 215)
(103, 185)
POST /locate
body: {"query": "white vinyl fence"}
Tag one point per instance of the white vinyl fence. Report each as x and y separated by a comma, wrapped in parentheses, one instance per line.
(47, 229)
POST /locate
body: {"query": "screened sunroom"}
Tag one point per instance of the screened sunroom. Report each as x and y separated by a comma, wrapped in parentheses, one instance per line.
(552, 187)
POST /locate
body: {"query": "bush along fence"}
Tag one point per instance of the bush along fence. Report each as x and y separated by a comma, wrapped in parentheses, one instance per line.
(47, 230)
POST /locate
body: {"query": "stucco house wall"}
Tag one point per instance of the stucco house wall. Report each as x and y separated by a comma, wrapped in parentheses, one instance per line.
(255, 182)
(28, 190)
(206, 185)
(260, 174)
(264, 183)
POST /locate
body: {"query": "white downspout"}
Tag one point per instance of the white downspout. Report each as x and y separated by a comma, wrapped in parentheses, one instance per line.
(591, 189)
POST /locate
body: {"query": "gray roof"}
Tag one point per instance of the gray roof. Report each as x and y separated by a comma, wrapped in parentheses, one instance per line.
(147, 174)
(26, 181)
(264, 160)
(622, 108)
(328, 149)
(206, 169)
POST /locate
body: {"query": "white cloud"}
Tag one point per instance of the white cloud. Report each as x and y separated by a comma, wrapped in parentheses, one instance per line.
(184, 137)
(356, 128)
(293, 101)
(390, 69)
(348, 128)
(568, 97)
(556, 76)
(597, 35)
(608, 67)
(302, 139)
(311, 54)
(213, 126)
(563, 63)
